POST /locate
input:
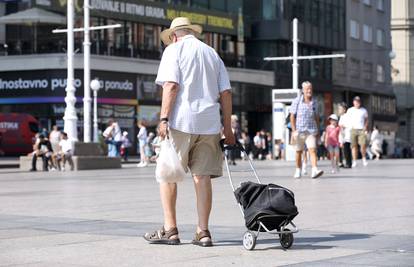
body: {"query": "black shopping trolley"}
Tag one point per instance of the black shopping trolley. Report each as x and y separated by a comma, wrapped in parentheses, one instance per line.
(266, 207)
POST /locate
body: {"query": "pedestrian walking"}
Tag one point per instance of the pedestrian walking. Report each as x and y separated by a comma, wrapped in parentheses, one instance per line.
(332, 141)
(195, 82)
(345, 135)
(113, 138)
(358, 120)
(126, 144)
(304, 120)
(142, 140)
(376, 142)
(258, 146)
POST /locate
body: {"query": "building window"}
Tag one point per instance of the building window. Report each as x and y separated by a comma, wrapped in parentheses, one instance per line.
(199, 3)
(380, 5)
(355, 68)
(367, 71)
(367, 33)
(269, 9)
(380, 74)
(218, 5)
(380, 37)
(354, 29)
(367, 2)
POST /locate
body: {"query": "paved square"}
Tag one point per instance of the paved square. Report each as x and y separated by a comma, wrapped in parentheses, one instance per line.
(359, 217)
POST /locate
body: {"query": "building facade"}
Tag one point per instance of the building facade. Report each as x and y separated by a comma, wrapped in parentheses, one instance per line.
(366, 70)
(321, 30)
(125, 59)
(402, 27)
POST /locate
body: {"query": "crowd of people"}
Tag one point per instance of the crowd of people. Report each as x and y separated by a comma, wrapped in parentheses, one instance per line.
(54, 149)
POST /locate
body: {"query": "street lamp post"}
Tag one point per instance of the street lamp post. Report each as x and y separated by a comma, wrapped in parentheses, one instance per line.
(70, 117)
(95, 86)
(86, 75)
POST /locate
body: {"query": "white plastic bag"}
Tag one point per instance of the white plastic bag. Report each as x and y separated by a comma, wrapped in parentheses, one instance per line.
(169, 168)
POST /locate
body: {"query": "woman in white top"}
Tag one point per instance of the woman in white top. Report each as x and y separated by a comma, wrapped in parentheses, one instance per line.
(142, 139)
(376, 142)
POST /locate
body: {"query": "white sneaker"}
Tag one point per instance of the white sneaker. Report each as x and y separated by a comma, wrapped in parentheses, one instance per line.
(297, 173)
(63, 169)
(364, 162)
(144, 164)
(139, 164)
(333, 171)
(316, 173)
(304, 171)
(354, 164)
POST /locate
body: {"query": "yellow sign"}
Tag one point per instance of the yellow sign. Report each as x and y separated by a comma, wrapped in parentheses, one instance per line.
(77, 4)
(198, 18)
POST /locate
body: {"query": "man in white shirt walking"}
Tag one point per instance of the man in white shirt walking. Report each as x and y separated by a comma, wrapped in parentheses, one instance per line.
(195, 84)
(358, 121)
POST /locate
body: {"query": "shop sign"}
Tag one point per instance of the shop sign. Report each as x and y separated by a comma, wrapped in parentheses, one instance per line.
(53, 83)
(149, 12)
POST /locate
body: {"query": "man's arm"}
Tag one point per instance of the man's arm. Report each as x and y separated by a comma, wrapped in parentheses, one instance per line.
(366, 122)
(169, 94)
(293, 122)
(226, 108)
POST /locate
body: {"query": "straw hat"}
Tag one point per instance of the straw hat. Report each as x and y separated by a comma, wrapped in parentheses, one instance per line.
(176, 24)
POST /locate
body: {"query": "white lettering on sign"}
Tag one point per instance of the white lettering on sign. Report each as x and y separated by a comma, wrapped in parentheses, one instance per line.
(106, 5)
(154, 12)
(128, 8)
(23, 84)
(60, 83)
(9, 125)
(115, 85)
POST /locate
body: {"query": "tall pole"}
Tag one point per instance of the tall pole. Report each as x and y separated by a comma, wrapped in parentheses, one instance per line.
(95, 116)
(70, 118)
(86, 75)
(295, 65)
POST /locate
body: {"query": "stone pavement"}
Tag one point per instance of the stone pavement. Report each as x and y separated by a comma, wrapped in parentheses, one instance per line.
(359, 217)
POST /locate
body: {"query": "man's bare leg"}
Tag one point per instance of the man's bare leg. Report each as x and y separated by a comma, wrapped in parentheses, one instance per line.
(204, 195)
(168, 192)
(313, 157)
(355, 153)
(299, 159)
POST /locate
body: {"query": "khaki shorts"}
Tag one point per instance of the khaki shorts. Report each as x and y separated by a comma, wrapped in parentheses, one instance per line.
(358, 137)
(199, 153)
(305, 138)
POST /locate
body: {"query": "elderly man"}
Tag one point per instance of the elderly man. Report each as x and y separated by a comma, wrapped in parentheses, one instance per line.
(195, 83)
(358, 120)
(304, 119)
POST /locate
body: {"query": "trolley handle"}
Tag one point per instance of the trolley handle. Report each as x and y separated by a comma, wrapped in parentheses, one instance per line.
(236, 146)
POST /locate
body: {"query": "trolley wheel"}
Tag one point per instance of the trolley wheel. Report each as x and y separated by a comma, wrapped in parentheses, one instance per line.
(249, 240)
(286, 240)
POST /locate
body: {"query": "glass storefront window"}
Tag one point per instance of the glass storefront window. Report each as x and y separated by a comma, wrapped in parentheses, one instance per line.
(199, 3)
(218, 5)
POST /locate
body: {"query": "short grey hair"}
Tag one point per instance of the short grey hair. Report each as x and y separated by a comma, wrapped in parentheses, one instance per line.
(183, 32)
(306, 83)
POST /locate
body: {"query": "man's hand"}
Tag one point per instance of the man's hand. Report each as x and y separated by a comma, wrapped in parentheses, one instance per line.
(163, 129)
(230, 139)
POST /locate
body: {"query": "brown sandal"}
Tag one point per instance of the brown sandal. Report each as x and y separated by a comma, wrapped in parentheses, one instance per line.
(163, 237)
(198, 236)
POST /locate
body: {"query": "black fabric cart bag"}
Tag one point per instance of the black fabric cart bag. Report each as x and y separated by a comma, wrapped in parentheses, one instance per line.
(259, 200)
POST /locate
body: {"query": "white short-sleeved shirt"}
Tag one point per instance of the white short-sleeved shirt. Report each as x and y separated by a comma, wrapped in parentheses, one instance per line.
(201, 76)
(356, 117)
(346, 131)
(66, 145)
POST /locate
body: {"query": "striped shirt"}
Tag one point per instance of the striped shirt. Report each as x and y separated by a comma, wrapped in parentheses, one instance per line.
(201, 76)
(305, 115)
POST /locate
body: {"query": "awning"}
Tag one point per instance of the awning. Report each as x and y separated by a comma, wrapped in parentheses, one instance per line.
(33, 16)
